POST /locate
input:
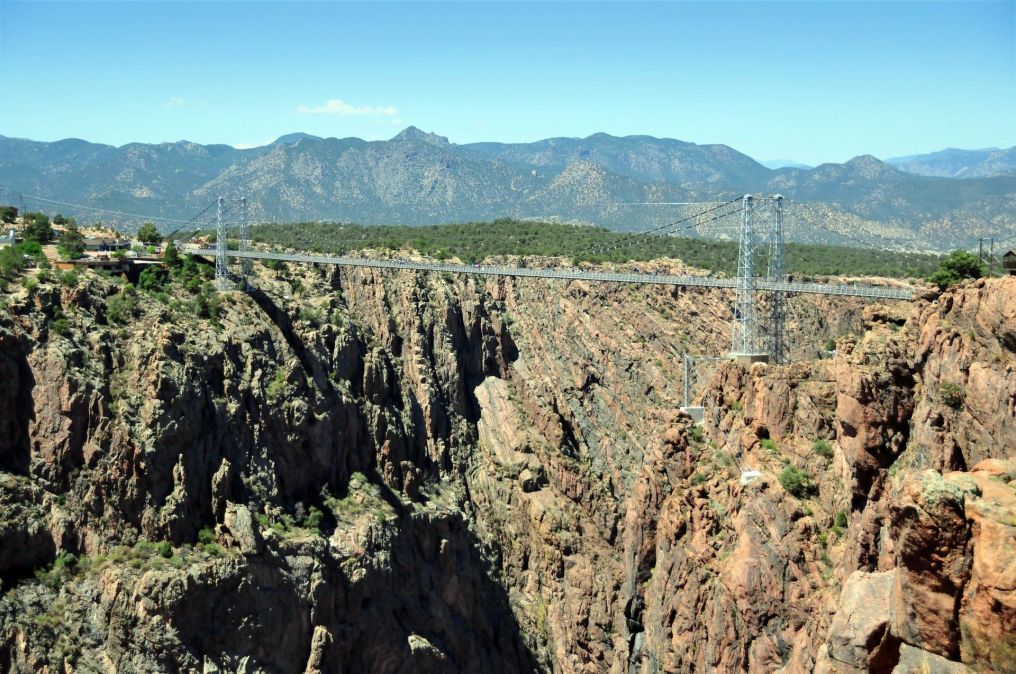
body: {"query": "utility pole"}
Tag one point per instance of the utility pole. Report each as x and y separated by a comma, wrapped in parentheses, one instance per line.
(991, 259)
(221, 277)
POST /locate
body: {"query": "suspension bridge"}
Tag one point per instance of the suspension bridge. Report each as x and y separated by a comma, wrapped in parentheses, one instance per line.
(760, 287)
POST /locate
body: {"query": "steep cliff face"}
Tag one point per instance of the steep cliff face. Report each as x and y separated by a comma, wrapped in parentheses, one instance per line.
(913, 501)
(365, 471)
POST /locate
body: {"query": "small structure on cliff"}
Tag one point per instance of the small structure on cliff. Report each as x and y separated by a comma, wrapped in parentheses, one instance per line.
(1009, 262)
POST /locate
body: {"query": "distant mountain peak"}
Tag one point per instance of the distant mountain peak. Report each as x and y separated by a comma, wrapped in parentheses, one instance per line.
(291, 138)
(411, 133)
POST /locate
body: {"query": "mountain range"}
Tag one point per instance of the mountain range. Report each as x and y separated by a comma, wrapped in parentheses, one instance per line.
(955, 163)
(420, 178)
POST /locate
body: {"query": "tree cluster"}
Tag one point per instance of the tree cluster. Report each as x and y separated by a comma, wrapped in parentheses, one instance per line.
(959, 265)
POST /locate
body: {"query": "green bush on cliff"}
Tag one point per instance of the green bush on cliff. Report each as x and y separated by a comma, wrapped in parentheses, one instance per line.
(277, 385)
(206, 536)
(120, 308)
(823, 448)
(951, 394)
(798, 482)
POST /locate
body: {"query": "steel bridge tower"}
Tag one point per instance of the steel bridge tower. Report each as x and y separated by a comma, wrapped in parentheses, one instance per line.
(777, 272)
(221, 272)
(222, 281)
(745, 338)
(246, 264)
(759, 317)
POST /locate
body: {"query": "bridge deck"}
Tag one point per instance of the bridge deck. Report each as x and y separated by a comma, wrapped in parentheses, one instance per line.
(875, 292)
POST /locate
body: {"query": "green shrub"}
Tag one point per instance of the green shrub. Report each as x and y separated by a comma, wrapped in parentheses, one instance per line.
(12, 259)
(698, 478)
(951, 394)
(206, 536)
(213, 549)
(120, 308)
(314, 519)
(310, 315)
(29, 282)
(823, 448)
(797, 482)
(152, 279)
(65, 560)
(830, 344)
(696, 434)
(60, 326)
(841, 519)
(277, 385)
(165, 549)
(69, 278)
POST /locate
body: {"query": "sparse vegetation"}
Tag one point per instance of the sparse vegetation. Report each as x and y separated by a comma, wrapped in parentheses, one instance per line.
(822, 448)
(277, 385)
(951, 394)
(797, 482)
(121, 308)
(206, 536)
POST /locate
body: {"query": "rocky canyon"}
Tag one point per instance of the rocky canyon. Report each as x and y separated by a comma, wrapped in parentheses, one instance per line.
(364, 471)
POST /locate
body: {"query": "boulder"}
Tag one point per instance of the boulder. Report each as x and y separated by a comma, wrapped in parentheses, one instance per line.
(859, 636)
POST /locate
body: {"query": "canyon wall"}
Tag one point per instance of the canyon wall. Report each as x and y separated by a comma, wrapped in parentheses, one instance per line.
(395, 472)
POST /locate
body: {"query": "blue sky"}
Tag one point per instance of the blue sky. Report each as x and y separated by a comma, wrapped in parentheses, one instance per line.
(819, 81)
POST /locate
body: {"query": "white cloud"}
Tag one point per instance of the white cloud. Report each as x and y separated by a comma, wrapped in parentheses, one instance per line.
(335, 106)
(180, 101)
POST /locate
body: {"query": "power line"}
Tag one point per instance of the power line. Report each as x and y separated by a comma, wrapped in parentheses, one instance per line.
(867, 244)
(108, 211)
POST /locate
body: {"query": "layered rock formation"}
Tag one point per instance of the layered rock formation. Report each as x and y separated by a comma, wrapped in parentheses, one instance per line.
(391, 472)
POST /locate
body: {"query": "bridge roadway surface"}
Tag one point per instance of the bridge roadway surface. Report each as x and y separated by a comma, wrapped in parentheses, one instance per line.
(874, 292)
